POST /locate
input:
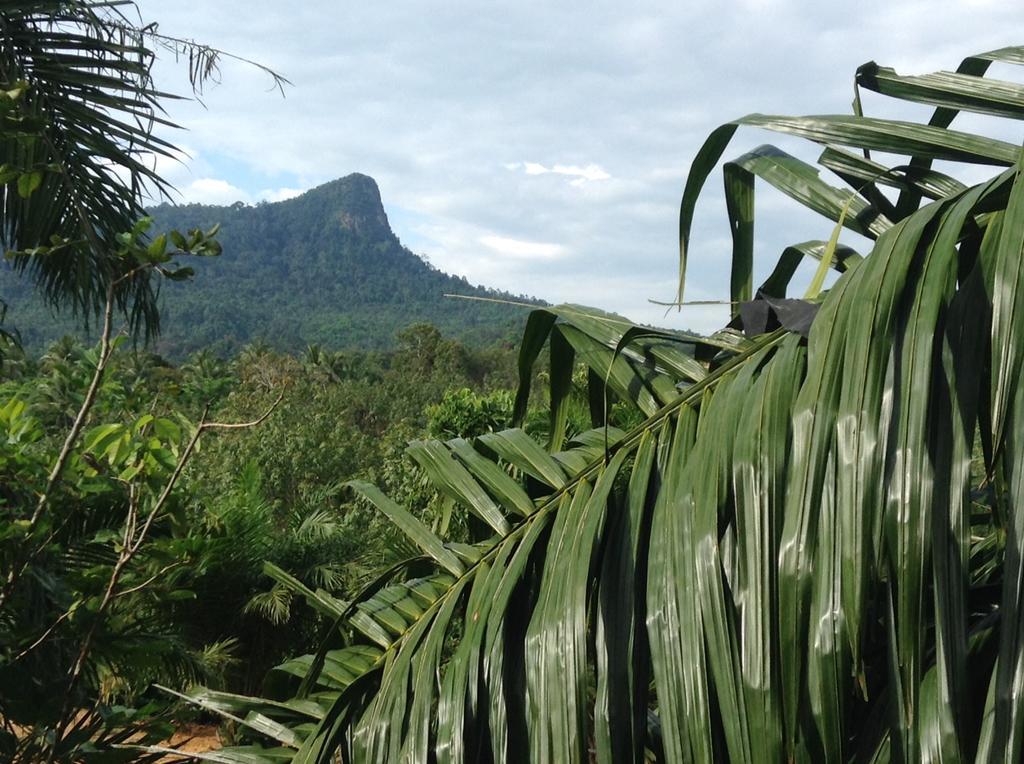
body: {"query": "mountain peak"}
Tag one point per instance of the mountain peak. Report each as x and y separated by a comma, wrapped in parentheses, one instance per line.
(323, 267)
(353, 202)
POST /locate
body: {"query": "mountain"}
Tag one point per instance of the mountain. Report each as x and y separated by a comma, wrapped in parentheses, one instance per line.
(324, 267)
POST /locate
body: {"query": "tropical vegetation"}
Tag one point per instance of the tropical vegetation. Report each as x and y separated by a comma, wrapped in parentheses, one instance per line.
(797, 539)
(809, 549)
(201, 598)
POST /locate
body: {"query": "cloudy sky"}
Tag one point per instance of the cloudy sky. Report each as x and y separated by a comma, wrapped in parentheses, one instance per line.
(541, 147)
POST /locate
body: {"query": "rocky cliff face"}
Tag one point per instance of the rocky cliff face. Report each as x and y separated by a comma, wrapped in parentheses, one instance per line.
(353, 201)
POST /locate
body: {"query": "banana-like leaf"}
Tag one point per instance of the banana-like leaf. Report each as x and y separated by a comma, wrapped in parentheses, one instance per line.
(451, 477)
(521, 451)
(340, 667)
(319, 600)
(247, 754)
(858, 172)
(508, 491)
(778, 280)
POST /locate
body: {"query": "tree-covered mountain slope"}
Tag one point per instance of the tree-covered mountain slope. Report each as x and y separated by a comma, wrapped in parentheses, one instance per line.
(324, 267)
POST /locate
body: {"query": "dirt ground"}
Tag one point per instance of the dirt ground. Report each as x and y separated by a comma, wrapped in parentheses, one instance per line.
(191, 738)
(194, 738)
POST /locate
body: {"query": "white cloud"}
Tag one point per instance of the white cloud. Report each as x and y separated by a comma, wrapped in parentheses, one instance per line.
(222, 192)
(581, 175)
(280, 194)
(528, 250)
(213, 191)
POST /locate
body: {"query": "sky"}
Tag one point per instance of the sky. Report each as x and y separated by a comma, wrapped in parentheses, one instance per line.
(541, 148)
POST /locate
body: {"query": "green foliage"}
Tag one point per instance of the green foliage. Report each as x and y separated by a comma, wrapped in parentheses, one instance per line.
(232, 538)
(810, 546)
(90, 555)
(461, 413)
(794, 540)
(322, 269)
(264, 500)
(77, 112)
(276, 493)
(89, 574)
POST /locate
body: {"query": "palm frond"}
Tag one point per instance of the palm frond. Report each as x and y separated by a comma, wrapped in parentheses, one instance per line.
(791, 557)
(274, 604)
(79, 122)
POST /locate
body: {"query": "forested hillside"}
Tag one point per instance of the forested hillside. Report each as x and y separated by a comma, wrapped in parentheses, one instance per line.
(322, 268)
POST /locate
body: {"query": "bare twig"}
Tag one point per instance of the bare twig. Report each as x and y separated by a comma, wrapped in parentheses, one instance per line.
(63, 616)
(83, 411)
(187, 453)
(151, 579)
(243, 425)
(475, 298)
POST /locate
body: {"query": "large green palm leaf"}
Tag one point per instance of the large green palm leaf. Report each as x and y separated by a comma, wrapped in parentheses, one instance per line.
(810, 549)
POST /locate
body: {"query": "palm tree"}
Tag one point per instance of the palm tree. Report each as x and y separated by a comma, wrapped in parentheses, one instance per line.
(78, 110)
(809, 550)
